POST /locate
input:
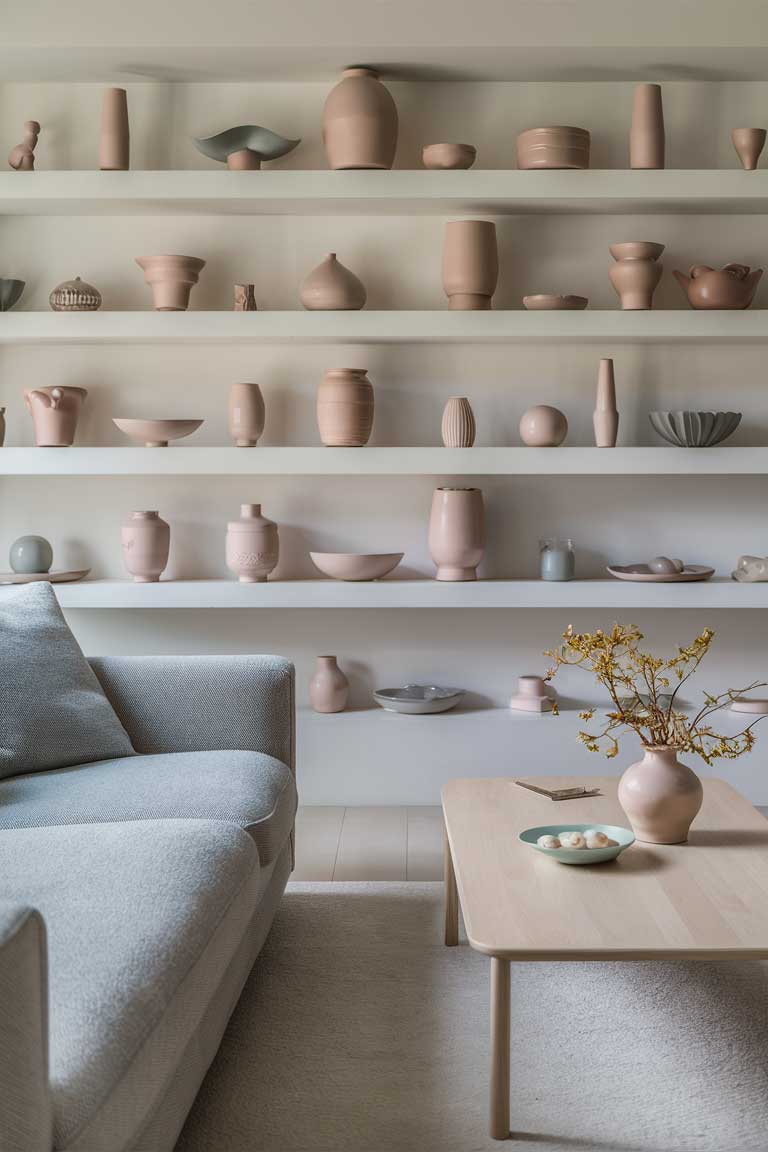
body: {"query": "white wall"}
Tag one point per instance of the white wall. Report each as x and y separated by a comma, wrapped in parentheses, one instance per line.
(364, 756)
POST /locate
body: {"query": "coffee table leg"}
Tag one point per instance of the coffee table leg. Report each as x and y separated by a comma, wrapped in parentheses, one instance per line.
(499, 1048)
(451, 895)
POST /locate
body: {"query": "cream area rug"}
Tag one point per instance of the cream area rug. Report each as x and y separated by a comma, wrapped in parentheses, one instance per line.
(358, 1031)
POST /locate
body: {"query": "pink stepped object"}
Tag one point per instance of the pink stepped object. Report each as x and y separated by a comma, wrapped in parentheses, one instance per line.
(172, 279)
(636, 273)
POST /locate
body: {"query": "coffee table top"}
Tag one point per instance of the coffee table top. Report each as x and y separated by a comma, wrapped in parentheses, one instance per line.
(704, 900)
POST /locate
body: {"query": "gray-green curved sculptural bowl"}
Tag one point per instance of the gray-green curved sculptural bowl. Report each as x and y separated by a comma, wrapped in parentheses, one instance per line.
(694, 429)
(245, 147)
(10, 293)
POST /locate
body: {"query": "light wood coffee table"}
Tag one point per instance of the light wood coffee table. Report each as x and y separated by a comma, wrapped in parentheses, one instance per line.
(704, 900)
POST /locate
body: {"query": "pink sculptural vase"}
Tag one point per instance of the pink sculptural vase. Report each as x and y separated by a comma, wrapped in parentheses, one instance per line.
(470, 264)
(171, 279)
(329, 687)
(246, 414)
(146, 540)
(456, 532)
(54, 414)
(345, 406)
(660, 796)
(360, 122)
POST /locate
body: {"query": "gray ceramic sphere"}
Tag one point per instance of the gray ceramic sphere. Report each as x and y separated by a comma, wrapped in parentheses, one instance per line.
(31, 554)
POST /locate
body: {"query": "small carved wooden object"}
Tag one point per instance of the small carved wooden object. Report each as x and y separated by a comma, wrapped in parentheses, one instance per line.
(22, 157)
(245, 301)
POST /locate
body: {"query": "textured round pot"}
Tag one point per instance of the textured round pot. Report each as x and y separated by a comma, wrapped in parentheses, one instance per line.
(331, 287)
(360, 122)
(252, 547)
(458, 426)
(456, 532)
(75, 296)
(470, 264)
(54, 414)
(345, 406)
(329, 687)
(636, 273)
(660, 796)
(171, 279)
(246, 414)
(146, 541)
(543, 427)
(114, 141)
(646, 135)
(31, 554)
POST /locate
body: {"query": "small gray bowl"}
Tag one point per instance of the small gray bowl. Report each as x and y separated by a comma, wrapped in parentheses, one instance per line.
(418, 699)
(694, 429)
(10, 293)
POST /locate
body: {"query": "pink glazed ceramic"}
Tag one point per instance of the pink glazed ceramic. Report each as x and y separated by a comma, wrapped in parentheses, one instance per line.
(470, 264)
(543, 427)
(253, 548)
(733, 286)
(605, 418)
(456, 532)
(146, 541)
(636, 275)
(54, 414)
(329, 687)
(246, 414)
(332, 287)
(660, 796)
(345, 404)
(749, 143)
(22, 157)
(114, 142)
(172, 279)
(458, 427)
(646, 136)
(360, 122)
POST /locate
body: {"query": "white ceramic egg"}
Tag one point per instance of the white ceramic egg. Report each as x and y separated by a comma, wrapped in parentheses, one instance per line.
(548, 842)
(664, 566)
(575, 840)
(595, 839)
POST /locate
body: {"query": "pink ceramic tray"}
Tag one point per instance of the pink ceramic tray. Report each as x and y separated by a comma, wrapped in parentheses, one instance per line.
(52, 577)
(643, 573)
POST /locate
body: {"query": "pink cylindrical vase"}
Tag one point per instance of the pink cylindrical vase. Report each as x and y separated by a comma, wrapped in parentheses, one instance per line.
(146, 541)
(470, 264)
(660, 796)
(605, 418)
(456, 532)
(345, 404)
(246, 414)
(252, 547)
(360, 122)
(646, 135)
(329, 687)
(114, 141)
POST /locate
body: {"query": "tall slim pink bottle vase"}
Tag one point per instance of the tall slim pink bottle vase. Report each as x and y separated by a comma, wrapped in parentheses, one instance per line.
(646, 135)
(606, 417)
(114, 141)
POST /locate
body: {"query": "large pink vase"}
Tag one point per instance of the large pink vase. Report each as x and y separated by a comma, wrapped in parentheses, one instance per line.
(456, 532)
(114, 141)
(146, 540)
(345, 408)
(660, 796)
(360, 122)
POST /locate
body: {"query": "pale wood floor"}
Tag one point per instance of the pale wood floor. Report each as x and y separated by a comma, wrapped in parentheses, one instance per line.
(376, 843)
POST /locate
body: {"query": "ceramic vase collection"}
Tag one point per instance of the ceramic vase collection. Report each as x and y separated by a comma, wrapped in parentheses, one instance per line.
(114, 141)
(331, 287)
(457, 532)
(458, 426)
(660, 796)
(605, 418)
(329, 687)
(252, 546)
(146, 540)
(345, 405)
(646, 135)
(470, 264)
(54, 414)
(360, 122)
(749, 143)
(636, 273)
(171, 279)
(246, 414)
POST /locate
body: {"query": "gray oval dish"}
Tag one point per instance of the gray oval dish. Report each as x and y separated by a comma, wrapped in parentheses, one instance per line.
(694, 429)
(418, 699)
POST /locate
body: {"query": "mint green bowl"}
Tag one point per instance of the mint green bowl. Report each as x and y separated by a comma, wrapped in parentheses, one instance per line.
(623, 836)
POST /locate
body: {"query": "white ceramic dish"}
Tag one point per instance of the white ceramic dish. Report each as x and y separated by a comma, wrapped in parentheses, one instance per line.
(750, 705)
(624, 837)
(51, 577)
(418, 699)
(643, 574)
(356, 565)
(156, 433)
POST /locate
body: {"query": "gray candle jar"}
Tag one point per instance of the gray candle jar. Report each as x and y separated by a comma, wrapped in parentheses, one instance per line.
(557, 559)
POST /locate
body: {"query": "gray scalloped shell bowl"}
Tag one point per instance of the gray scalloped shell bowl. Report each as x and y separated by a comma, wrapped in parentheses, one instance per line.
(266, 144)
(10, 293)
(694, 429)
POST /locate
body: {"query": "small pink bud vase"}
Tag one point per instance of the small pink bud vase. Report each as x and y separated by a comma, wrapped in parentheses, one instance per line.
(660, 796)
(329, 687)
(253, 547)
(457, 532)
(458, 425)
(146, 541)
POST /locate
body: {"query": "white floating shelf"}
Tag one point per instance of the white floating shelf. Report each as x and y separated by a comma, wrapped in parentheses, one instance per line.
(398, 192)
(671, 326)
(410, 461)
(613, 594)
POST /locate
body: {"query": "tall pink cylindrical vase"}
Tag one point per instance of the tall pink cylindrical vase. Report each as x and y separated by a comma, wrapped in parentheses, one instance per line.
(646, 135)
(470, 264)
(146, 541)
(456, 532)
(605, 418)
(660, 796)
(329, 687)
(114, 141)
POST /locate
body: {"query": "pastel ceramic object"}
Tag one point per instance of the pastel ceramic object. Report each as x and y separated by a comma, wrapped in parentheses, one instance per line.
(665, 565)
(345, 405)
(30, 554)
(733, 286)
(636, 273)
(548, 302)
(751, 570)
(531, 695)
(245, 300)
(543, 427)
(360, 122)
(2, 426)
(75, 296)
(245, 147)
(605, 418)
(356, 565)
(557, 559)
(114, 141)
(694, 429)
(156, 433)
(644, 574)
(146, 541)
(49, 577)
(22, 157)
(10, 293)
(458, 424)
(246, 414)
(54, 414)
(750, 705)
(456, 533)
(553, 147)
(749, 143)
(661, 797)
(448, 155)
(171, 279)
(418, 699)
(620, 839)
(331, 287)
(329, 687)
(252, 545)
(470, 264)
(646, 135)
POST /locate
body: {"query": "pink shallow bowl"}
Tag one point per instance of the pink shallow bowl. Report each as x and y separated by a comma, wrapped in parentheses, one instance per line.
(156, 433)
(546, 302)
(356, 565)
(643, 574)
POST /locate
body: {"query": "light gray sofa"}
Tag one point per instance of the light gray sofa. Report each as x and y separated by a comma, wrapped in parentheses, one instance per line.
(135, 895)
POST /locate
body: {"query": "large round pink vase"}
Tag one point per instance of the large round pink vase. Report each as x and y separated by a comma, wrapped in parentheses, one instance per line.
(456, 532)
(660, 796)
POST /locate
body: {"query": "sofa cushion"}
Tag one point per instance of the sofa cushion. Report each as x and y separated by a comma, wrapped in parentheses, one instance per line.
(54, 711)
(247, 788)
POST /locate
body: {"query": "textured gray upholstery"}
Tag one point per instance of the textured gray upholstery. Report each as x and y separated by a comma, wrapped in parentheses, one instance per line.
(248, 788)
(25, 1108)
(53, 711)
(201, 703)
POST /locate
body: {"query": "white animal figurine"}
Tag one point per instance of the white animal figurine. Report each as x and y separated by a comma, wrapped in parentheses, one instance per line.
(751, 569)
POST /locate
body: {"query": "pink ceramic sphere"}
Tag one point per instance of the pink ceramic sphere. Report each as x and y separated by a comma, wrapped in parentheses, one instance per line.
(543, 427)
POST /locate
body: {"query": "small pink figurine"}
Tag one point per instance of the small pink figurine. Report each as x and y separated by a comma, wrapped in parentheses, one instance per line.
(22, 157)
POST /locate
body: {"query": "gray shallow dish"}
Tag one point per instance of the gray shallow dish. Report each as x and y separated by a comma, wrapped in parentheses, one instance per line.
(694, 429)
(266, 144)
(418, 699)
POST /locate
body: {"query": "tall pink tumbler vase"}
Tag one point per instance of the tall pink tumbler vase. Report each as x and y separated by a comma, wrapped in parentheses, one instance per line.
(456, 532)
(646, 135)
(114, 141)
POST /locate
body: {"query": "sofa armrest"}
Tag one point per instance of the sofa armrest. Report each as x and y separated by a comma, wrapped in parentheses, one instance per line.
(201, 703)
(25, 1106)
